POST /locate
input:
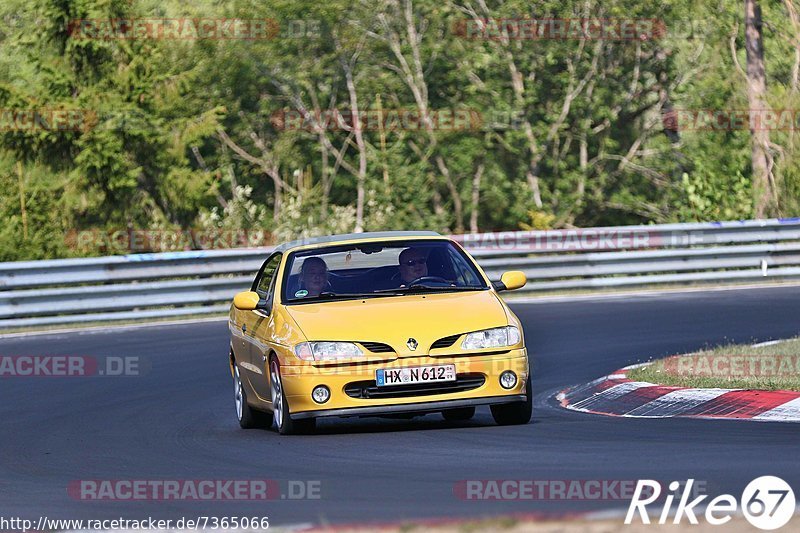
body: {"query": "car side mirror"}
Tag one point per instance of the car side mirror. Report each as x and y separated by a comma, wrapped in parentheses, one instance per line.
(249, 301)
(510, 281)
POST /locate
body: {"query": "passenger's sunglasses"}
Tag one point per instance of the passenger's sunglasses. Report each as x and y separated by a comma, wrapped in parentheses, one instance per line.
(414, 262)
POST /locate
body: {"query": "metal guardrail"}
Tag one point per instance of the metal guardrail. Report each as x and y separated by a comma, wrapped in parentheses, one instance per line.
(68, 291)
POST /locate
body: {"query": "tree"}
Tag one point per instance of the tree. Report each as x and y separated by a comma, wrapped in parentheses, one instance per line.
(762, 163)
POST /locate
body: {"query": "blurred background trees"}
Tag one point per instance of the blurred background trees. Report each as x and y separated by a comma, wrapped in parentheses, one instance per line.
(192, 133)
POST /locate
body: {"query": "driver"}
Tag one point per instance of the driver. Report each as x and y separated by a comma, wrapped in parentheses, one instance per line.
(413, 264)
(314, 274)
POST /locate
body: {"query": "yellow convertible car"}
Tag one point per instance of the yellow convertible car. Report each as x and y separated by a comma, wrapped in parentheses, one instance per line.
(376, 324)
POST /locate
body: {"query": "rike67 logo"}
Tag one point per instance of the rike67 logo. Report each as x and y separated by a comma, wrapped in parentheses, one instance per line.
(767, 503)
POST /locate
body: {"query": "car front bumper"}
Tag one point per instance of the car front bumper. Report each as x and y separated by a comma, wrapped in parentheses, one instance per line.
(299, 380)
(423, 407)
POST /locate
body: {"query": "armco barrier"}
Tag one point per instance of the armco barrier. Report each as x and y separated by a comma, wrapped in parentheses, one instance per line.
(68, 291)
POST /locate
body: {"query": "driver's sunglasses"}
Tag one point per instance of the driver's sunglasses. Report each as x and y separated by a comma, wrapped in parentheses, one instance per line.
(414, 262)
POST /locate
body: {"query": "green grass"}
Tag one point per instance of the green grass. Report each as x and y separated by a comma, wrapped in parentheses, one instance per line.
(775, 367)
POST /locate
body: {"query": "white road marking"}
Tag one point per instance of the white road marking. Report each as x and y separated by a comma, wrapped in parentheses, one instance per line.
(610, 394)
(677, 402)
(788, 412)
(769, 343)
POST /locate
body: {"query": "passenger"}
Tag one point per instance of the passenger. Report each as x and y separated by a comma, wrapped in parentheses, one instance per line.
(314, 276)
(413, 265)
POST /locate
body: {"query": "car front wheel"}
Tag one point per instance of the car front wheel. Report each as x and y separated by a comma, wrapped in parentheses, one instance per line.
(280, 407)
(248, 417)
(510, 414)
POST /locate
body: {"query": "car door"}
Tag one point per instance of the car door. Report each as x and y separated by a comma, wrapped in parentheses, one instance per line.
(258, 327)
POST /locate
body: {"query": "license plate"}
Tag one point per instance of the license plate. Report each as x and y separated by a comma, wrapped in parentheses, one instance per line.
(417, 374)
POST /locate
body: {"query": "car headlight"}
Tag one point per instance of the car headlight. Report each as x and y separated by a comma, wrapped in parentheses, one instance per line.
(319, 351)
(491, 338)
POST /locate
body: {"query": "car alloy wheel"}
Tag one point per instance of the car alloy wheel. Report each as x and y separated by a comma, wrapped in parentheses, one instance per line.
(276, 394)
(238, 393)
(280, 407)
(248, 417)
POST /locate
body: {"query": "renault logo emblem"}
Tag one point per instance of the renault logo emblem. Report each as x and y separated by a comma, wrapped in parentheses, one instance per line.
(412, 344)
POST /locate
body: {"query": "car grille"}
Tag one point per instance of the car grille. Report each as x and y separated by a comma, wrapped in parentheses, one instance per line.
(368, 389)
(377, 347)
(445, 342)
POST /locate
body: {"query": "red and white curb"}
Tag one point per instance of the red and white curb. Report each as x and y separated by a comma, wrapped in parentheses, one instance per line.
(616, 395)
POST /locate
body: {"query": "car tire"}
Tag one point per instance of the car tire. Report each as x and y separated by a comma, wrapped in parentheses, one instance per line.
(249, 418)
(280, 407)
(459, 414)
(511, 414)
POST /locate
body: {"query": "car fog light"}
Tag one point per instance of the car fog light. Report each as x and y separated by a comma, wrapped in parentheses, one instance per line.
(322, 394)
(508, 379)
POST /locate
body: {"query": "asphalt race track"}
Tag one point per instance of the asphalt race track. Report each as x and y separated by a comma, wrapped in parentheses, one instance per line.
(178, 422)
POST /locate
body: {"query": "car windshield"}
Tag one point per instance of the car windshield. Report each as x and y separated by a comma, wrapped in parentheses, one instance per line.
(379, 269)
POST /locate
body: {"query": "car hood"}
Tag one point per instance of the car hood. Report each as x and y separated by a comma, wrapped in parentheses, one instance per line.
(393, 320)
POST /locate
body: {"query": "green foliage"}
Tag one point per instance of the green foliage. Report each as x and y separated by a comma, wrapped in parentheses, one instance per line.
(185, 134)
(716, 197)
(538, 221)
(303, 218)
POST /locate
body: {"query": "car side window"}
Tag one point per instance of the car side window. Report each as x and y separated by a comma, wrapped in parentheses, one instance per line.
(271, 293)
(265, 282)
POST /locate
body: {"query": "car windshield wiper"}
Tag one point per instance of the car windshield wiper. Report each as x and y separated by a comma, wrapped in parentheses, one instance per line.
(325, 295)
(418, 286)
(396, 291)
(423, 287)
(328, 295)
